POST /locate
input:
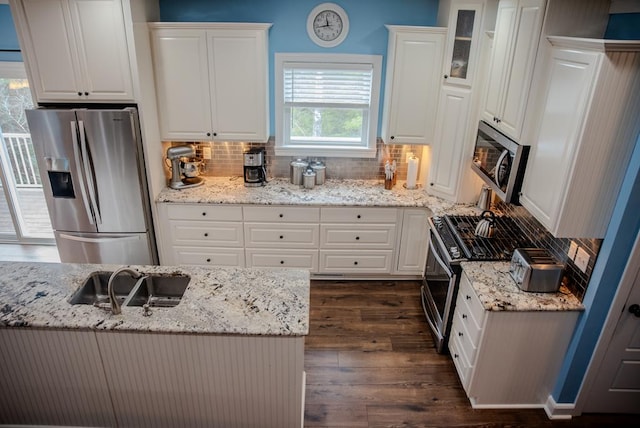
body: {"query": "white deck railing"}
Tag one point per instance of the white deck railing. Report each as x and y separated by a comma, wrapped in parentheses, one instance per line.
(21, 158)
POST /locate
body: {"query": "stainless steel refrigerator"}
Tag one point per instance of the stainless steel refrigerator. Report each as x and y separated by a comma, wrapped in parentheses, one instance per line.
(92, 168)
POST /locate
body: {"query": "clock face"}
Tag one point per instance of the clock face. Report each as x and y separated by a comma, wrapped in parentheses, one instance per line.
(328, 25)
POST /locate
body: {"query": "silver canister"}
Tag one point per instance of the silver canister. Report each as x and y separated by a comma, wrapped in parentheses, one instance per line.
(309, 179)
(298, 167)
(320, 169)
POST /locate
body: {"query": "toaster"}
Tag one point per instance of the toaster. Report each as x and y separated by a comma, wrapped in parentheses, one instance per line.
(535, 270)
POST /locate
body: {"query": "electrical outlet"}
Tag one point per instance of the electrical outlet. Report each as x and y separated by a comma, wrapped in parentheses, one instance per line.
(206, 152)
(573, 249)
(582, 259)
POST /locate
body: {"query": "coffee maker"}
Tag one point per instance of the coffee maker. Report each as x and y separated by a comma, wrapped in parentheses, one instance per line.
(255, 173)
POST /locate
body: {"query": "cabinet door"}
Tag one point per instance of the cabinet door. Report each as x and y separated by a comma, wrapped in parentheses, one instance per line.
(552, 158)
(49, 48)
(413, 81)
(464, 24)
(412, 253)
(446, 155)
(103, 55)
(516, 40)
(238, 84)
(182, 80)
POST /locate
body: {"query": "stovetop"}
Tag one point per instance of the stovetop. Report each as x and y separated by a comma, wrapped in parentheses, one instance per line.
(507, 237)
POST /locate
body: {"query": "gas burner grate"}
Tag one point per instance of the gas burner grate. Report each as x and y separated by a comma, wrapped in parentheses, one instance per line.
(507, 237)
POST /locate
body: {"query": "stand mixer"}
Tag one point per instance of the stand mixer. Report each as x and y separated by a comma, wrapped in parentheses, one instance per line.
(178, 169)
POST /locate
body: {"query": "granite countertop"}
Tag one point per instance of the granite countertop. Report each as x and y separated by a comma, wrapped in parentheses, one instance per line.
(279, 191)
(241, 301)
(497, 291)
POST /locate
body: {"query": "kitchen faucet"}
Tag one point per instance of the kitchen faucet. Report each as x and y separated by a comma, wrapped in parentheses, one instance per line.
(115, 306)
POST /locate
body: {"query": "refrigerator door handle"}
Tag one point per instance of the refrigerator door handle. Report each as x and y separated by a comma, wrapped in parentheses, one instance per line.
(76, 155)
(98, 240)
(88, 176)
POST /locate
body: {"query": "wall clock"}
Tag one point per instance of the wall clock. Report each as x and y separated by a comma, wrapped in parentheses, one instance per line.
(328, 25)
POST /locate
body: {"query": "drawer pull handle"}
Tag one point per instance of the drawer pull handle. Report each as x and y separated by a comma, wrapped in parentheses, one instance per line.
(281, 215)
(464, 316)
(281, 262)
(208, 260)
(357, 238)
(206, 234)
(204, 213)
(455, 355)
(359, 216)
(460, 334)
(355, 263)
(468, 297)
(281, 237)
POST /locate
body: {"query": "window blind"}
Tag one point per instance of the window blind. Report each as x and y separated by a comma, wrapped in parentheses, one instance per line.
(345, 85)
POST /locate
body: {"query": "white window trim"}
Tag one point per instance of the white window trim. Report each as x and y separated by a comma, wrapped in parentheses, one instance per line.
(328, 151)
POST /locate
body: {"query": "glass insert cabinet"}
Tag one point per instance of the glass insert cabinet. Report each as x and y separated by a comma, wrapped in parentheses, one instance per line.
(464, 25)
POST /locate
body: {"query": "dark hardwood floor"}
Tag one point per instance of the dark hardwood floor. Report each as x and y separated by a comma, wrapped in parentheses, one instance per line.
(370, 362)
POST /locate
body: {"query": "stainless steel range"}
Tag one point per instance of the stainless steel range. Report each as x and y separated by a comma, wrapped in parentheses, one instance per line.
(452, 239)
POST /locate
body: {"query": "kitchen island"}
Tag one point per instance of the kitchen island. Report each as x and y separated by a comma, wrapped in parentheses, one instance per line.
(229, 354)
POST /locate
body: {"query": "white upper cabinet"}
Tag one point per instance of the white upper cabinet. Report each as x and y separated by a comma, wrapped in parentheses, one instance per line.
(75, 50)
(518, 27)
(212, 81)
(587, 129)
(462, 40)
(414, 59)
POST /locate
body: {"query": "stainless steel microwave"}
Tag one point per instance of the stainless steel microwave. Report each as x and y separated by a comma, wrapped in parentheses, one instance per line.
(500, 162)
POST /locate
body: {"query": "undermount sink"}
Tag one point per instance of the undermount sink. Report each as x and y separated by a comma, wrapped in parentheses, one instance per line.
(94, 289)
(156, 290)
(160, 291)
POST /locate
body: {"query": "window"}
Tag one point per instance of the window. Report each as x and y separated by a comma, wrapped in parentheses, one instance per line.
(327, 105)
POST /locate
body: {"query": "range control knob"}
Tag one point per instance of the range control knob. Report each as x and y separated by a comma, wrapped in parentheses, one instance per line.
(455, 251)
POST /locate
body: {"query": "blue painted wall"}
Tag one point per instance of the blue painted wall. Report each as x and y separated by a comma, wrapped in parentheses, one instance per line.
(8, 36)
(367, 34)
(623, 26)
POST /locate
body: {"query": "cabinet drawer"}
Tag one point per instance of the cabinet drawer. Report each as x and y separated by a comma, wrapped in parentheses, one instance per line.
(365, 261)
(207, 233)
(463, 367)
(208, 256)
(355, 236)
(282, 214)
(468, 342)
(358, 215)
(472, 304)
(295, 235)
(204, 212)
(302, 259)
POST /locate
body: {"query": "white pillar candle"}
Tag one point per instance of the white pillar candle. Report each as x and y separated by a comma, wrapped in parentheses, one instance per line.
(412, 172)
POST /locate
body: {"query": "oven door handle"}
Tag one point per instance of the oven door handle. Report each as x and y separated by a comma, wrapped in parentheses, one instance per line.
(434, 251)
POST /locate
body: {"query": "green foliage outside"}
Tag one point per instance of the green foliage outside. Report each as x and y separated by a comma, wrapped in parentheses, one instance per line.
(329, 123)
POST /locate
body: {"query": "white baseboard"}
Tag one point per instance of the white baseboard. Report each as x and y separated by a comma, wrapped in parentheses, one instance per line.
(559, 411)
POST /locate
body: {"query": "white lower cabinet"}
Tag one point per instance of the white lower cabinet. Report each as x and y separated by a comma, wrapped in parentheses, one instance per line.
(507, 358)
(326, 240)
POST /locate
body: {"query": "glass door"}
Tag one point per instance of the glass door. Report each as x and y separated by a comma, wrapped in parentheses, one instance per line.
(462, 43)
(23, 211)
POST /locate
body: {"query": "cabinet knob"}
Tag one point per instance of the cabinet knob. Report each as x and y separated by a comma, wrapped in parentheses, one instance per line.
(215, 134)
(281, 237)
(464, 316)
(208, 260)
(430, 184)
(455, 355)
(357, 238)
(79, 94)
(392, 137)
(86, 93)
(208, 134)
(206, 234)
(355, 263)
(281, 262)
(635, 310)
(446, 76)
(280, 215)
(468, 297)
(358, 216)
(204, 213)
(460, 334)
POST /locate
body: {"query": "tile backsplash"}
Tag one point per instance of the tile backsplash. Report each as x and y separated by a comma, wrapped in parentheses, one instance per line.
(227, 160)
(576, 280)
